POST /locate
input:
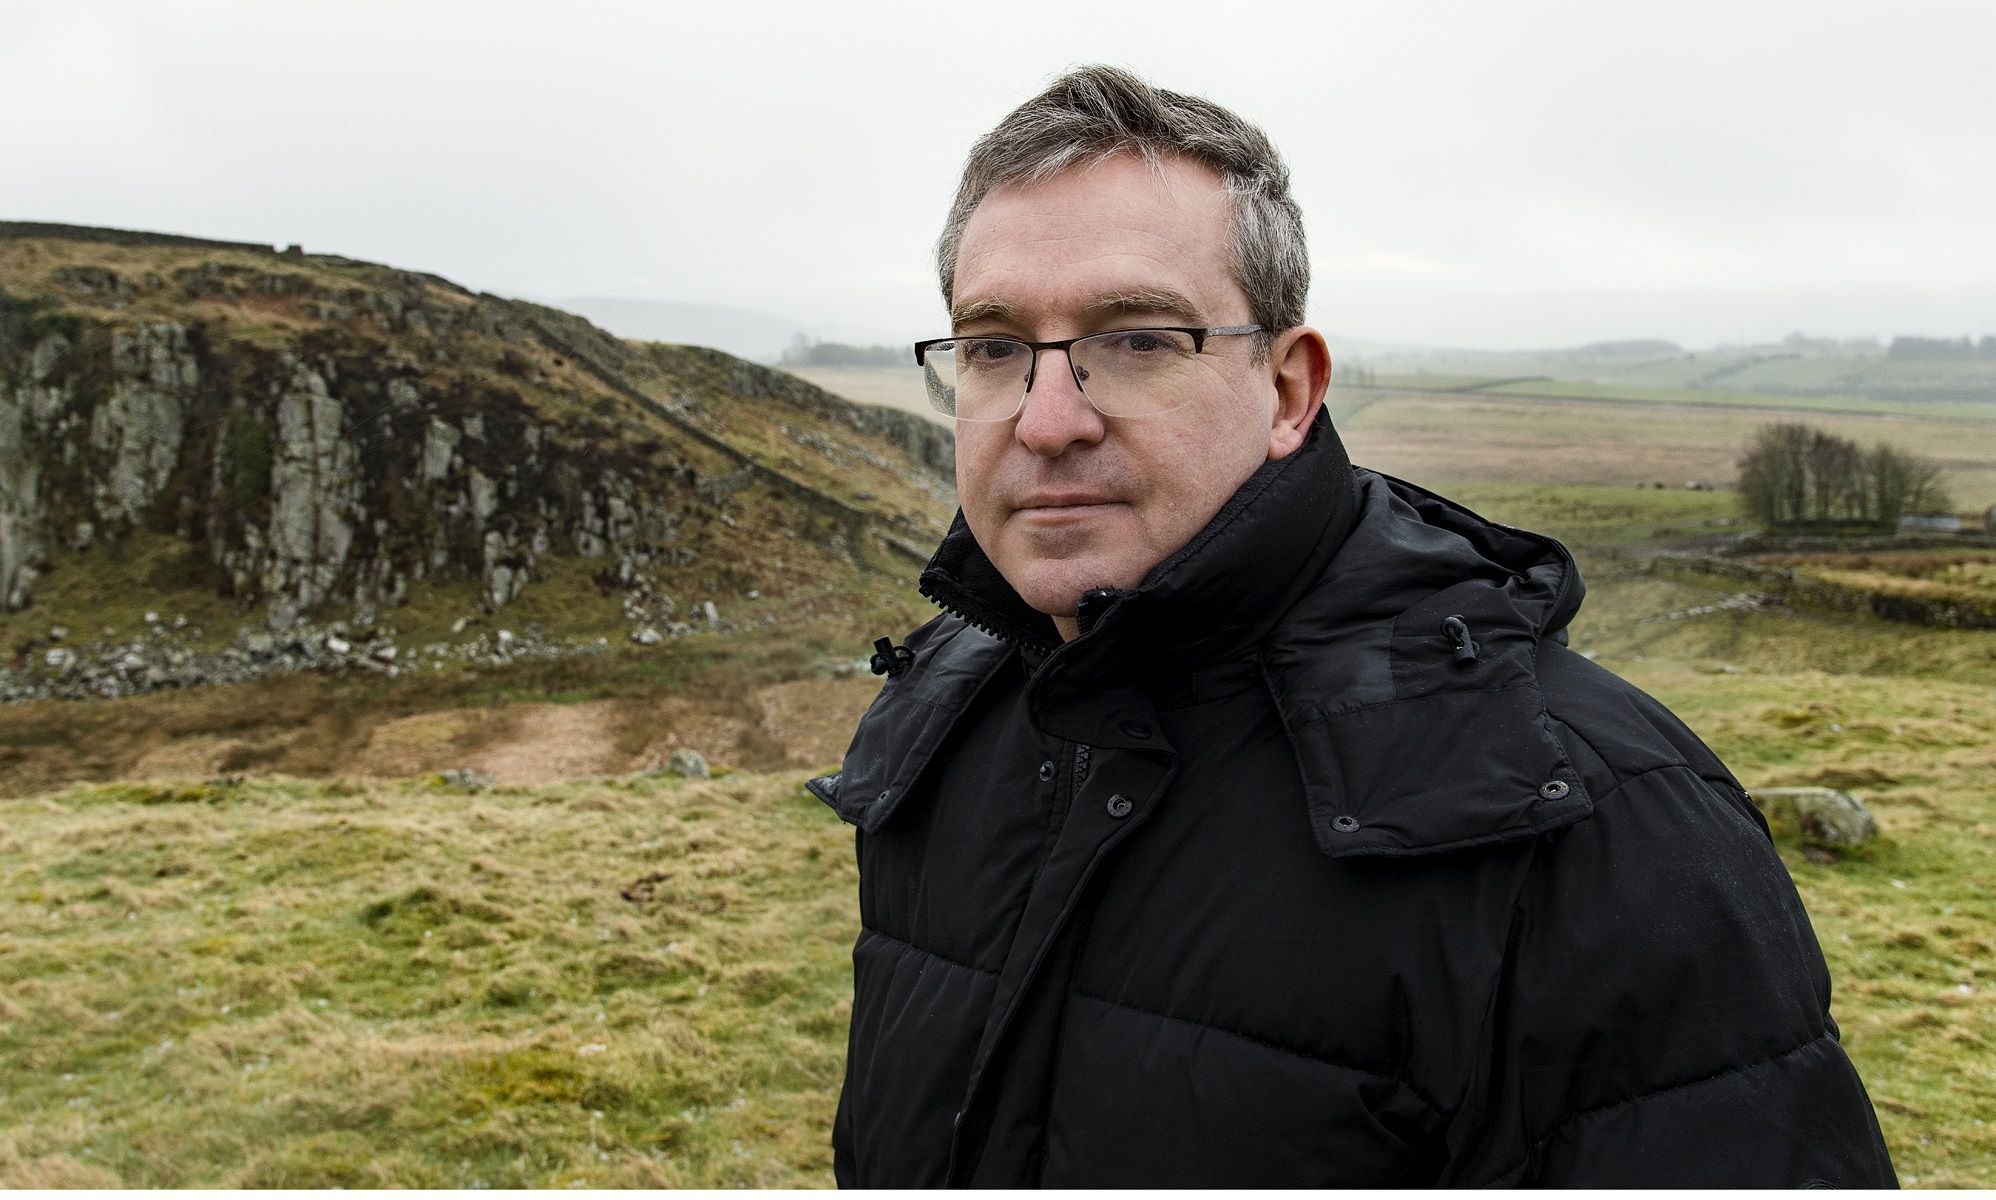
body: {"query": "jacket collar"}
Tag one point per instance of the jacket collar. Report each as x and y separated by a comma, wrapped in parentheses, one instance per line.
(1214, 598)
(1341, 585)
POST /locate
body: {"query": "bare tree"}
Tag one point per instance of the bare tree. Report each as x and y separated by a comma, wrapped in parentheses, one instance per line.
(1791, 474)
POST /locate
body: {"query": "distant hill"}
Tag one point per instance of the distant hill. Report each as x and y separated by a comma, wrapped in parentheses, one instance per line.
(742, 332)
(1916, 370)
(1630, 348)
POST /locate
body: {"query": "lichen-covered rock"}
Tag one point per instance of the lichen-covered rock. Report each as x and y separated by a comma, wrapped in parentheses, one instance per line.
(689, 763)
(20, 507)
(1819, 816)
(439, 448)
(139, 428)
(314, 490)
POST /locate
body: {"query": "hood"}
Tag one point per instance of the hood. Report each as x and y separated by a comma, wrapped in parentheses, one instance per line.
(1408, 680)
(1397, 632)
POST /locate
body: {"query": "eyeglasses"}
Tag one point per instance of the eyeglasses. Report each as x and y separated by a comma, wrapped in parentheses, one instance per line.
(1123, 373)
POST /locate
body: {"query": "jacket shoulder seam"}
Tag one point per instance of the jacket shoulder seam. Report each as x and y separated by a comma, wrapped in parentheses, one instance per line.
(1586, 741)
(1648, 771)
(1418, 1092)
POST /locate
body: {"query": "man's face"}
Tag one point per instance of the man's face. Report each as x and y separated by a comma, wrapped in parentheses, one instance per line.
(1061, 498)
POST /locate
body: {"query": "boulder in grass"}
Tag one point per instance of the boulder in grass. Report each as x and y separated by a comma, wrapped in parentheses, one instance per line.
(1819, 816)
(688, 763)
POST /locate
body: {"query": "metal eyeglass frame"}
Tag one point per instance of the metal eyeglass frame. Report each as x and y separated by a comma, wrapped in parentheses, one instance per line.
(1065, 345)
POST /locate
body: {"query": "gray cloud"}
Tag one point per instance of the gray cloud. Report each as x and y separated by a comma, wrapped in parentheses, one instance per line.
(1496, 174)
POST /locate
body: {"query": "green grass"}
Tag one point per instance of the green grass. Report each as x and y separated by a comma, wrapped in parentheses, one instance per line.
(1715, 398)
(631, 983)
(1599, 515)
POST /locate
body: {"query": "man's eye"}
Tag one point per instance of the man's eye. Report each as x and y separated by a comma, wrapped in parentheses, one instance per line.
(987, 352)
(1142, 343)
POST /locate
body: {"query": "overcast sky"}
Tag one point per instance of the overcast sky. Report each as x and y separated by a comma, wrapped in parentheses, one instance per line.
(1479, 174)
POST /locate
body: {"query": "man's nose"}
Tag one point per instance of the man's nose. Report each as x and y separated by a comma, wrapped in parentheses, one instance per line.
(1056, 414)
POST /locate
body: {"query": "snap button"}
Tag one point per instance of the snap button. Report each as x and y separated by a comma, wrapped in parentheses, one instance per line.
(1046, 771)
(1119, 806)
(1344, 824)
(1553, 789)
(1137, 730)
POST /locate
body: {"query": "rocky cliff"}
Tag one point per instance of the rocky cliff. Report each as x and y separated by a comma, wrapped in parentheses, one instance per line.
(320, 435)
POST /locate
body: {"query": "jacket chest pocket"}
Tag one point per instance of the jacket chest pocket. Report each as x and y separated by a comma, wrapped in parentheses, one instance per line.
(891, 748)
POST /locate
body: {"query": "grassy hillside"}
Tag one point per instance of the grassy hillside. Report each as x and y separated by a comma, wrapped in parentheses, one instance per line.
(468, 438)
(218, 462)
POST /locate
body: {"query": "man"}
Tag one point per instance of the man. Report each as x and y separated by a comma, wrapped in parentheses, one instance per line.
(1244, 819)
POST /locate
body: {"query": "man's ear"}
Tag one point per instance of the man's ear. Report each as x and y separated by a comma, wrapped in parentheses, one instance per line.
(1302, 366)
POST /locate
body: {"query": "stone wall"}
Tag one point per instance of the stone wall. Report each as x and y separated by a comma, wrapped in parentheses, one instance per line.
(1798, 589)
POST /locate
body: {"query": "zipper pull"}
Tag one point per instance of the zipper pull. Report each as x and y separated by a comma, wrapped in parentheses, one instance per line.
(1094, 602)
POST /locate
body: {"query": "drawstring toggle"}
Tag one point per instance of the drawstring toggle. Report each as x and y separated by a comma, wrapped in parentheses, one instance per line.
(889, 659)
(1466, 648)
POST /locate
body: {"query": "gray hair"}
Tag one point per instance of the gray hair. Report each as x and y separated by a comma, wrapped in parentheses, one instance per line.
(1095, 112)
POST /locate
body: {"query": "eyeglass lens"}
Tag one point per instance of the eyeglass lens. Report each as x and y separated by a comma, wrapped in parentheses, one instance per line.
(1124, 373)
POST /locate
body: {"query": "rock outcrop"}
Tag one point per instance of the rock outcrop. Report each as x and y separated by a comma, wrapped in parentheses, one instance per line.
(332, 432)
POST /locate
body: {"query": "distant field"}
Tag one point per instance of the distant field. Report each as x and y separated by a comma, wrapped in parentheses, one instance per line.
(1573, 433)
(1783, 406)
(1625, 440)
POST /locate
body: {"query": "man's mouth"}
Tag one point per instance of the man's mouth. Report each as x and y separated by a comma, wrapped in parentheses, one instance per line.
(1058, 505)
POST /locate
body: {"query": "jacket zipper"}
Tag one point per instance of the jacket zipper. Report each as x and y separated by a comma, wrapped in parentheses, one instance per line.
(1015, 636)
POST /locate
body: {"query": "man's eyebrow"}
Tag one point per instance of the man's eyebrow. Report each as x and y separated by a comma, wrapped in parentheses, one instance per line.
(971, 311)
(1146, 302)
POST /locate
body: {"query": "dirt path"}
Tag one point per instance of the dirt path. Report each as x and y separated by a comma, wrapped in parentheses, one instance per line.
(801, 723)
(546, 743)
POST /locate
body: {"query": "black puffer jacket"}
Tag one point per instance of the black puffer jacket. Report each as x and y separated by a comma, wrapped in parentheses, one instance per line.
(1318, 860)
